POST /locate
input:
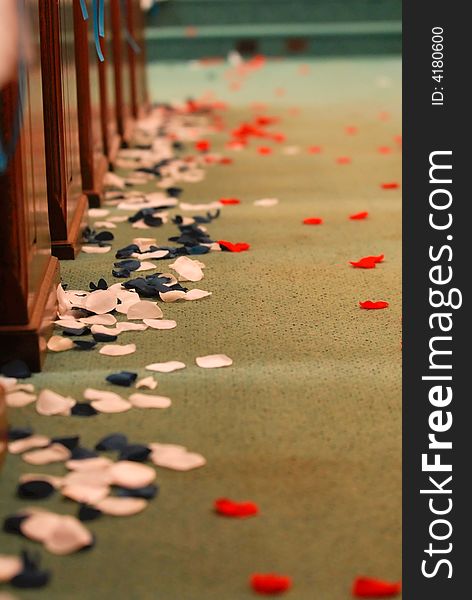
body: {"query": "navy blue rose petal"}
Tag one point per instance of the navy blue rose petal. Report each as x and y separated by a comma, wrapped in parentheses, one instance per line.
(19, 433)
(124, 378)
(16, 368)
(35, 490)
(31, 576)
(104, 337)
(114, 441)
(70, 441)
(134, 452)
(83, 409)
(148, 492)
(80, 453)
(88, 513)
(84, 344)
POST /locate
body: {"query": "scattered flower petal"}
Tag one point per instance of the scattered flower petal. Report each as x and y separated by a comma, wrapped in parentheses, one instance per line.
(130, 474)
(161, 323)
(101, 301)
(270, 583)
(178, 458)
(367, 262)
(117, 349)
(147, 401)
(147, 382)
(359, 216)
(196, 294)
(166, 367)
(107, 402)
(266, 202)
(230, 508)
(57, 343)
(18, 399)
(144, 309)
(50, 403)
(85, 494)
(95, 249)
(10, 567)
(230, 247)
(189, 269)
(229, 201)
(213, 361)
(123, 378)
(25, 444)
(68, 536)
(45, 456)
(370, 305)
(366, 587)
(121, 507)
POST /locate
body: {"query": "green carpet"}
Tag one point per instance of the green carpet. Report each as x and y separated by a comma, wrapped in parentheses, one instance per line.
(307, 422)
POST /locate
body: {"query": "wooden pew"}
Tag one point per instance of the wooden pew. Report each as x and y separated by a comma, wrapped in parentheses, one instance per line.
(108, 117)
(3, 426)
(122, 74)
(67, 202)
(140, 104)
(93, 160)
(28, 273)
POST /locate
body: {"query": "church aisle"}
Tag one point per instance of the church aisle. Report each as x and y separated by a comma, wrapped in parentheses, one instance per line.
(306, 422)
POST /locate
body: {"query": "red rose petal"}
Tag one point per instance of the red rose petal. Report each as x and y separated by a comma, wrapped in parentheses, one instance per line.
(367, 262)
(238, 247)
(230, 508)
(359, 216)
(384, 149)
(279, 137)
(351, 130)
(343, 160)
(270, 583)
(226, 160)
(202, 145)
(384, 116)
(265, 120)
(391, 185)
(314, 149)
(370, 305)
(229, 201)
(264, 150)
(365, 587)
(312, 221)
(363, 263)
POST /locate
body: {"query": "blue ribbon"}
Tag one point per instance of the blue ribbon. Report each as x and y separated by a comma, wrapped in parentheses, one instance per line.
(83, 6)
(98, 12)
(101, 18)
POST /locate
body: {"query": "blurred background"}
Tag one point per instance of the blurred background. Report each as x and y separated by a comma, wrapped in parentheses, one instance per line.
(192, 29)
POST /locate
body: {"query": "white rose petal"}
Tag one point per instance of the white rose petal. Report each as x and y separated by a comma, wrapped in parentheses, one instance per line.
(213, 361)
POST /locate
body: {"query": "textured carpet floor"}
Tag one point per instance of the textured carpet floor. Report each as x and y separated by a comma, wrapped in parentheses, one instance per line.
(307, 422)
